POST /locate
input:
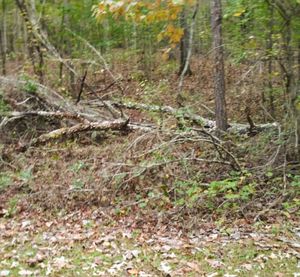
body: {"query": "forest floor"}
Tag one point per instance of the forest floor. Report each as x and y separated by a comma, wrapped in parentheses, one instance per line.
(149, 204)
(87, 243)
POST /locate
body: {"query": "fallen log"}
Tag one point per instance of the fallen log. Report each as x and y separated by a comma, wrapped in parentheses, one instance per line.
(81, 127)
(13, 116)
(182, 113)
(90, 109)
(55, 100)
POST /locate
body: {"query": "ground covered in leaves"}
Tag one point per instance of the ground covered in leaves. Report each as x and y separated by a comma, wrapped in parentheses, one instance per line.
(90, 243)
(81, 208)
(172, 201)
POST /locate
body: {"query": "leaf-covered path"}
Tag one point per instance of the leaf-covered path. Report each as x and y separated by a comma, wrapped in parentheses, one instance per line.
(82, 243)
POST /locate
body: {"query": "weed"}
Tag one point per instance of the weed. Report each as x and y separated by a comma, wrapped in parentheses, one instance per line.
(187, 193)
(78, 184)
(30, 87)
(12, 207)
(76, 167)
(4, 107)
(26, 175)
(5, 181)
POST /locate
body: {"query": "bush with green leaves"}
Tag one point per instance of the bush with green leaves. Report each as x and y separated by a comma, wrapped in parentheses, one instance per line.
(4, 107)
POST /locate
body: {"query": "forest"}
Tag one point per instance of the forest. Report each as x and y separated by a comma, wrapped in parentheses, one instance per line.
(150, 138)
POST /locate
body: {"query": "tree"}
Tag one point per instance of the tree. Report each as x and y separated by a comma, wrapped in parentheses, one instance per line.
(184, 43)
(289, 10)
(3, 37)
(219, 72)
(163, 13)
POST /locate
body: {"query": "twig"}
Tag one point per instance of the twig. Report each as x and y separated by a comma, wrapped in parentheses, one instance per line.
(272, 205)
(81, 87)
(99, 55)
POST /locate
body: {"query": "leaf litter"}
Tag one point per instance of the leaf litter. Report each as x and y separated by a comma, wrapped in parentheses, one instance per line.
(80, 244)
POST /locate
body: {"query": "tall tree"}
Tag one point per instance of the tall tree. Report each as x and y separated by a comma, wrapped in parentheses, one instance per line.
(184, 43)
(219, 71)
(3, 39)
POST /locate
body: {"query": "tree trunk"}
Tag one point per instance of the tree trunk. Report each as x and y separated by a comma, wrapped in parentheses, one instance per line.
(61, 65)
(184, 44)
(34, 46)
(270, 60)
(3, 39)
(219, 72)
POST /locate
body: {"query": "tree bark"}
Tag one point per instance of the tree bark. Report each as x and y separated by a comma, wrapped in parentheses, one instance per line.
(3, 39)
(219, 72)
(184, 45)
(34, 46)
(270, 60)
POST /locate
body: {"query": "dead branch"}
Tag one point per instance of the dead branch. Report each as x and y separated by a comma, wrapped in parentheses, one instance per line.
(55, 100)
(81, 87)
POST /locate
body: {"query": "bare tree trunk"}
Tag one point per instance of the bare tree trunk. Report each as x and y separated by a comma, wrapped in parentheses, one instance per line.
(270, 61)
(186, 67)
(68, 53)
(219, 72)
(184, 44)
(3, 38)
(40, 69)
(299, 59)
(2, 54)
(32, 42)
(61, 65)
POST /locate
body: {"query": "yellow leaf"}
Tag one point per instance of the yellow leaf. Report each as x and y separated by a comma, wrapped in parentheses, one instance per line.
(239, 13)
(160, 37)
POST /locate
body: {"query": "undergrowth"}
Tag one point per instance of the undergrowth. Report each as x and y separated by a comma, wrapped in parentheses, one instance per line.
(153, 174)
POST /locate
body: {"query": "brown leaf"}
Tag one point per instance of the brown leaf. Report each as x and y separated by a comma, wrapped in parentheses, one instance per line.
(133, 271)
(215, 263)
(194, 266)
(35, 260)
(98, 261)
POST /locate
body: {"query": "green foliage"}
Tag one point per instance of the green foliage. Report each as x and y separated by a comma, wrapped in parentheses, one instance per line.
(4, 107)
(295, 181)
(30, 86)
(5, 181)
(25, 175)
(187, 193)
(12, 207)
(236, 188)
(78, 184)
(76, 167)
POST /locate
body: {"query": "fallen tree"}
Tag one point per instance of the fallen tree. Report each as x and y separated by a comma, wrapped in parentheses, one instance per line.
(81, 127)
(94, 110)
(208, 124)
(90, 115)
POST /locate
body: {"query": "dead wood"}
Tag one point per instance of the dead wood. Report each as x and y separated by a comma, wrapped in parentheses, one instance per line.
(13, 116)
(197, 119)
(81, 127)
(90, 109)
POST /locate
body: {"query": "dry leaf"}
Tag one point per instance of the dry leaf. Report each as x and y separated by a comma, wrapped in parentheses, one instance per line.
(25, 272)
(133, 271)
(60, 262)
(215, 263)
(4, 272)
